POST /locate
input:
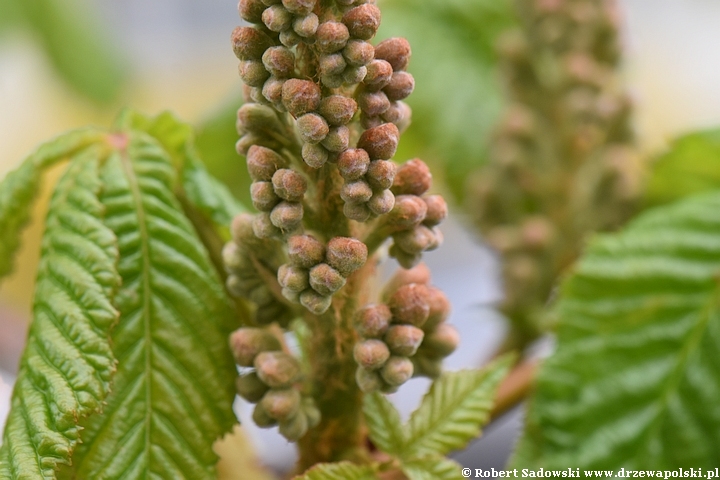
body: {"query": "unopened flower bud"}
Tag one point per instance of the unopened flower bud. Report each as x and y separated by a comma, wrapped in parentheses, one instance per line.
(241, 229)
(394, 114)
(371, 354)
(373, 103)
(261, 417)
(262, 163)
(332, 81)
(289, 185)
(353, 164)
(293, 277)
(307, 25)
(294, 427)
(246, 343)
(346, 254)
(381, 202)
(358, 53)
(311, 411)
(397, 370)
(272, 91)
(300, 96)
(232, 256)
(263, 226)
(426, 367)
(299, 7)
(357, 211)
(263, 196)
(276, 18)
(356, 192)
(312, 127)
(289, 38)
(281, 404)
(250, 387)
(409, 304)
(396, 51)
(367, 122)
(277, 369)
(333, 64)
(415, 240)
(338, 109)
(368, 380)
(442, 341)
(439, 308)
(290, 295)
(353, 75)
(337, 139)
(253, 72)
(315, 302)
(305, 251)
(400, 87)
(287, 215)
(363, 21)
(379, 74)
(326, 280)
(331, 37)
(419, 274)
(372, 321)
(251, 10)
(256, 118)
(413, 178)
(314, 154)
(279, 61)
(406, 260)
(404, 340)
(250, 43)
(381, 174)
(409, 210)
(380, 142)
(437, 210)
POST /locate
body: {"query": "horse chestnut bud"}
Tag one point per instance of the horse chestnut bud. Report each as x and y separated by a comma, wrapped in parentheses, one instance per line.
(279, 61)
(333, 64)
(353, 163)
(357, 211)
(246, 343)
(253, 72)
(416, 240)
(262, 163)
(371, 354)
(312, 127)
(250, 387)
(276, 18)
(381, 202)
(261, 418)
(306, 26)
(373, 103)
(404, 340)
(368, 380)
(397, 370)
(379, 74)
(263, 226)
(294, 427)
(299, 7)
(287, 215)
(337, 139)
(356, 192)
(326, 280)
(439, 308)
(372, 321)
(409, 210)
(305, 251)
(396, 51)
(250, 43)
(251, 10)
(315, 302)
(315, 155)
(380, 142)
(331, 37)
(437, 210)
(277, 369)
(409, 304)
(346, 254)
(263, 196)
(363, 21)
(381, 174)
(281, 404)
(293, 278)
(413, 178)
(442, 341)
(300, 96)
(400, 87)
(289, 185)
(358, 53)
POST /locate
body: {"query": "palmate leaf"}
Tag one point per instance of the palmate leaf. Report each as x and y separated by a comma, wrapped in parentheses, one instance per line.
(635, 380)
(338, 471)
(383, 421)
(66, 368)
(173, 391)
(432, 467)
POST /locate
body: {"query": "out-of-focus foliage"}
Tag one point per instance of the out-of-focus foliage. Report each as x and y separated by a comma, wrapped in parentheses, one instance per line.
(458, 97)
(634, 380)
(73, 42)
(691, 165)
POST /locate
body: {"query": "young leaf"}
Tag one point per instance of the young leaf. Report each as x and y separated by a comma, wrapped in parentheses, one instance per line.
(635, 378)
(432, 467)
(338, 471)
(454, 409)
(173, 392)
(66, 368)
(383, 421)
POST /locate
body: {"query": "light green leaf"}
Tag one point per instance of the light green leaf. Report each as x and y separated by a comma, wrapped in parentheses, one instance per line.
(66, 368)
(20, 187)
(432, 467)
(173, 392)
(338, 471)
(383, 421)
(691, 165)
(635, 380)
(454, 409)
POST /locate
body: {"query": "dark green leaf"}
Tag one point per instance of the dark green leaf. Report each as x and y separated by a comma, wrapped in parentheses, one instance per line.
(383, 421)
(338, 471)
(432, 467)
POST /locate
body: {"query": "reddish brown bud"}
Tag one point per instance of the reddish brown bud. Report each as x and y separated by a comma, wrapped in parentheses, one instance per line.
(363, 21)
(337, 139)
(331, 37)
(413, 178)
(371, 354)
(409, 304)
(253, 72)
(289, 185)
(368, 122)
(409, 210)
(368, 380)
(439, 308)
(251, 10)
(437, 210)
(277, 369)
(400, 87)
(415, 240)
(353, 163)
(293, 277)
(263, 227)
(287, 215)
(276, 18)
(357, 211)
(314, 302)
(338, 109)
(279, 61)
(300, 96)
(306, 26)
(373, 103)
(263, 162)
(379, 74)
(380, 142)
(314, 154)
(263, 196)
(272, 91)
(442, 341)
(381, 174)
(356, 192)
(246, 343)
(281, 404)
(305, 250)
(250, 387)
(381, 202)
(403, 340)
(353, 75)
(299, 7)
(419, 274)
(333, 64)
(312, 127)
(250, 43)
(358, 53)
(346, 254)
(325, 280)
(372, 321)
(397, 370)
(396, 51)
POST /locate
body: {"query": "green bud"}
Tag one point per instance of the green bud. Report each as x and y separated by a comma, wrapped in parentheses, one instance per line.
(261, 295)
(300, 96)
(368, 380)
(437, 210)
(381, 174)
(400, 87)
(409, 304)
(416, 240)
(358, 53)
(263, 196)
(290, 295)
(363, 21)
(372, 321)
(299, 7)
(277, 369)
(325, 280)
(279, 61)
(381, 202)
(426, 367)
(338, 109)
(346, 254)
(276, 18)
(306, 26)
(356, 192)
(305, 251)
(289, 38)
(253, 72)
(353, 164)
(233, 257)
(333, 64)
(406, 260)
(409, 210)
(246, 343)
(353, 75)
(413, 178)
(442, 341)
(380, 142)
(261, 417)
(314, 155)
(396, 51)
(263, 226)
(337, 139)
(256, 118)
(263, 162)
(357, 211)
(251, 10)
(289, 185)
(241, 229)
(250, 387)
(331, 37)
(373, 103)
(295, 427)
(332, 81)
(379, 74)
(311, 411)
(281, 404)
(397, 370)
(371, 354)
(404, 340)
(287, 215)
(312, 127)
(293, 277)
(250, 43)
(315, 302)
(272, 92)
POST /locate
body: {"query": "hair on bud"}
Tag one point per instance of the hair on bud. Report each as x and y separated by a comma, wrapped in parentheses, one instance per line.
(281, 404)
(241, 229)
(346, 254)
(413, 178)
(289, 185)
(315, 155)
(358, 53)
(357, 191)
(294, 427)
(300, 96)
(381, 174)
(261, 417)
(338, 109)
(333, 64)
(258, 118)
(277, 369)
(263, 162)
(396, 51)
(289, 38)
(250, 43)
(357, 211)
(379, 74)
(404, 340)
(287, 215)
(325, 280)
(381, 202)
(305, 250)
(363, 21)
(353, 164)
(315, 302)
(372, 321)
(276, 18)
(439, 308)
(442, 341)
(279, 61)
(409, 210)
(263, 227)
(416, 240)
(293, 277)
(253, 72)
(251, 10)
(272, 92)
(371, 354)
(353, 75)
(307, 25)
(369, 381)
(263, 196)
(409, 304)
(299, 7)
(331, 37)
(312, 127)
(246, 343)
(437, 210)
(400, 87)
(380, 142)
(397, 370)
(373, 103)
(250, 387)
(337, 139)
(367, 122)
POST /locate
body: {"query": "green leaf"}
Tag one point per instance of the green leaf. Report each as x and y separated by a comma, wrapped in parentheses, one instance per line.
(454, 409)
(691, 165)
(338, 471)
(20, 187)
(173, 392)
(432, 467)
(635, 379)
(66, 368)
(383, 421)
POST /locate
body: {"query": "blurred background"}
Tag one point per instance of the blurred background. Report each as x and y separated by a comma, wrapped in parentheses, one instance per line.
(68, 63)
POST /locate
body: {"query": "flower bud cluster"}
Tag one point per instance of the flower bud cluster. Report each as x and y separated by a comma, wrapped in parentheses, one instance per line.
(270, 381)
(561, 163)
(316, 271)
(407, 336)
